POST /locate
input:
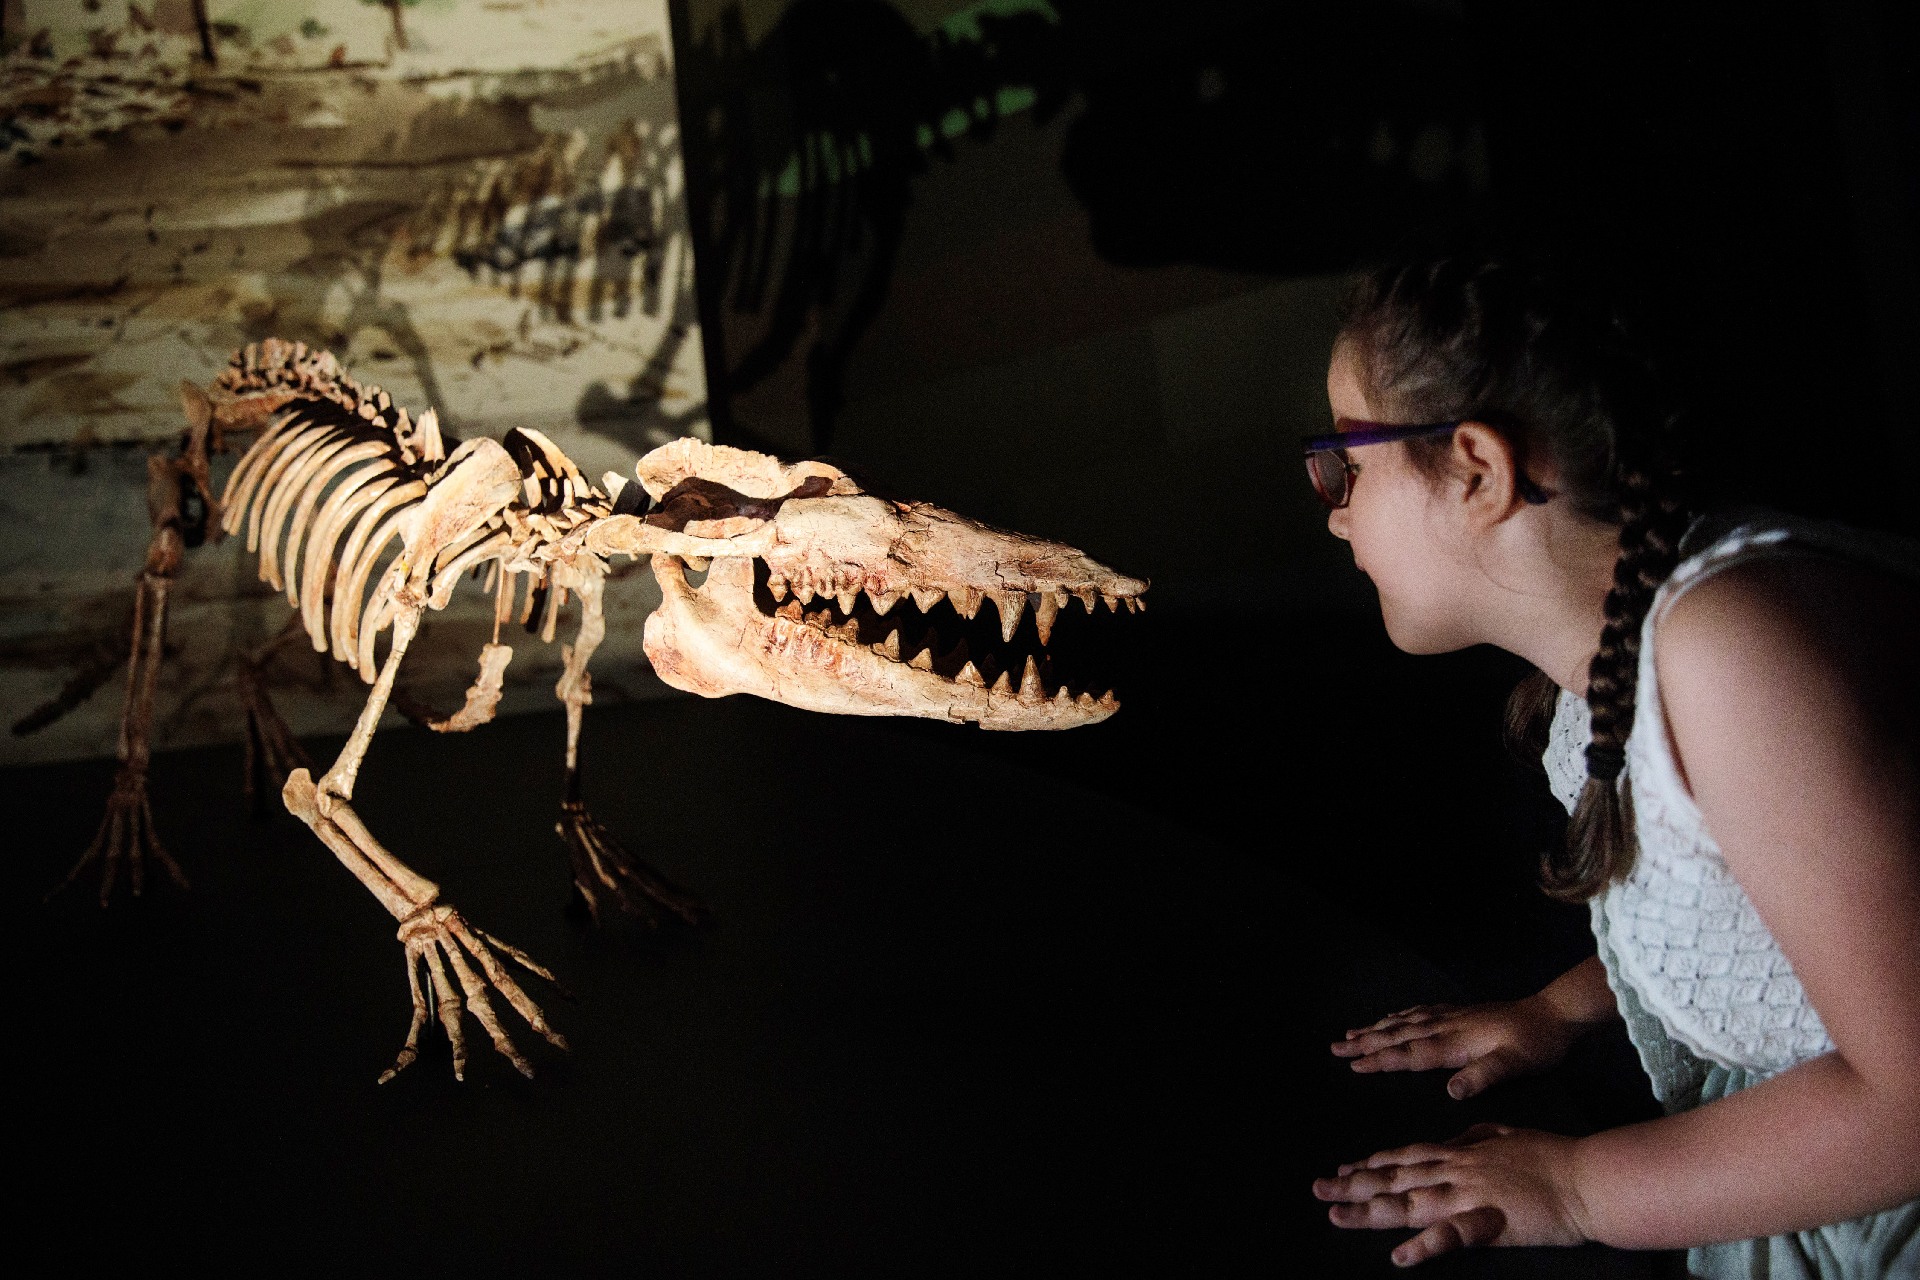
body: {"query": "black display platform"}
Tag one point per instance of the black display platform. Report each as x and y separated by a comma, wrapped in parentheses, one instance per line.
(969, 1003)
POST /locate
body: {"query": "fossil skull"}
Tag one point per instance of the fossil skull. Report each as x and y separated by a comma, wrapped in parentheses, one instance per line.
(822, 596)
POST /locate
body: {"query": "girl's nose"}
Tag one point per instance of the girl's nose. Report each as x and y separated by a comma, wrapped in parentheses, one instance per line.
(1337, 523)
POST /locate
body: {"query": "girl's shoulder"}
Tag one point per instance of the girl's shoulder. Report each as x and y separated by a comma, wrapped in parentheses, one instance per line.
(1747, 574)
(1784, 631)
(1722, 540)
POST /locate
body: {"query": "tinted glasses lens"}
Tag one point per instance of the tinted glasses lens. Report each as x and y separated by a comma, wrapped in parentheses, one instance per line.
(1329, 472)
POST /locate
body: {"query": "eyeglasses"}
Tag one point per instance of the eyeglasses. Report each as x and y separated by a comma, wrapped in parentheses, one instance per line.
(1332, 472)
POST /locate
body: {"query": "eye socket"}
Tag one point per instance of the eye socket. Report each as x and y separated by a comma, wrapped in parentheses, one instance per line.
(634, 500)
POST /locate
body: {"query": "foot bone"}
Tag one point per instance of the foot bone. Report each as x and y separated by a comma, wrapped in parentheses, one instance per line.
(601, 864)
(437, 931)
(126, 834)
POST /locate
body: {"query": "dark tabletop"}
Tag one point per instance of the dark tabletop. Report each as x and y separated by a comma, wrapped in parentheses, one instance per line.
(967, 1002)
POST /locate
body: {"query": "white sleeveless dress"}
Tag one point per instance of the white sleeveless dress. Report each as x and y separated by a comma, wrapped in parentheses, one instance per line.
(1710, 1002)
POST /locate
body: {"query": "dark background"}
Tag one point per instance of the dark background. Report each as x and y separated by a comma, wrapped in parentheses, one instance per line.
(1043, 1001)
(1749, 180)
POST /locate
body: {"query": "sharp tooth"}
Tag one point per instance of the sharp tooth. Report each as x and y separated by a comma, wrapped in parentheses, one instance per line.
(1142, 605)
(1087, 596)
(890, 647)
(1108, 701)
(790, 611)
(923, 660)
(927, 597)
(966, 601)
(1085, 701)
(970, 674)
(777, 585)
(1004, 684)
(1133, 606)
(846, 599)
(1009, 603)
(819, 619)
(883, 601)
(804, 589)
(848, 632)
(1113, 603)
(1044, 614)
(1031, 694)
(1063, 699)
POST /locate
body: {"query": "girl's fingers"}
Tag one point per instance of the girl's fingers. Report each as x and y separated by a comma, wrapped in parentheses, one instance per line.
(1419, 1207)
(1420, 1053)
(1373, 1041)
(1419, 1013)
(1420, 1153)
(1379, 1213)
(1459, 1231)
(1480, 1133)
(1388, 1173)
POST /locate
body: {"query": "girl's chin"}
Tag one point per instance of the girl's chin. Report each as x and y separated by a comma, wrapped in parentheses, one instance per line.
(1410, 637)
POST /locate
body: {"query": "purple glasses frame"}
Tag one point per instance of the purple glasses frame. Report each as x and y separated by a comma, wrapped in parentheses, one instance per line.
(1353, 432)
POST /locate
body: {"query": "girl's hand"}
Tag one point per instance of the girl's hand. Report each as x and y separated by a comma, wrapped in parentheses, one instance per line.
(1491, 1185)
(1489, 1042)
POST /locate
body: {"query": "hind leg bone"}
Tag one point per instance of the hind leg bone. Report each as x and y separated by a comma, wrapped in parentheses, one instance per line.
(126, 833)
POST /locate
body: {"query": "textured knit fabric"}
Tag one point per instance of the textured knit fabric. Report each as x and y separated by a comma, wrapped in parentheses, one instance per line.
(1710, 1002)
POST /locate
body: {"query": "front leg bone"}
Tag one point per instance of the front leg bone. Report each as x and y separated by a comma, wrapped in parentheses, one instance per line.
(599, 862)
(430, 931)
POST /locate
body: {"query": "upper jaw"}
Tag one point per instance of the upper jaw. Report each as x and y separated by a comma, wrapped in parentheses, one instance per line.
(918, 550)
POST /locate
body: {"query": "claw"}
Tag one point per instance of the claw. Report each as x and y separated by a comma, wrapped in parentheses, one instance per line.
(437, 931)
(410, 1050)
(449, 1009)
(269, 741)
(126, 834)
(599, 862)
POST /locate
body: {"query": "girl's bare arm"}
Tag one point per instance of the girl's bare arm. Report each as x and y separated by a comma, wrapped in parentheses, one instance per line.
(1794, 707)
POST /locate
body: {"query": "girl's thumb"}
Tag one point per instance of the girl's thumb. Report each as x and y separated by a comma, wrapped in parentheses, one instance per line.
(1477, 1075)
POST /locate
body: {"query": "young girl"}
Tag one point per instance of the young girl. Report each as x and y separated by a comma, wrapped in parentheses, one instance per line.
(1733, 721)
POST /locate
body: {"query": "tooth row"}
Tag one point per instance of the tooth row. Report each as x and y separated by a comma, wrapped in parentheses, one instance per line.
(1031, 693)
(965, 600)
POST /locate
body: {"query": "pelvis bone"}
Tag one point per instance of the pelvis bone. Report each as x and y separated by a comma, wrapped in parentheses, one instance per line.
(825, 597)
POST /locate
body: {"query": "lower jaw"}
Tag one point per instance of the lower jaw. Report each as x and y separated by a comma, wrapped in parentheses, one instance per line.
(827, 675)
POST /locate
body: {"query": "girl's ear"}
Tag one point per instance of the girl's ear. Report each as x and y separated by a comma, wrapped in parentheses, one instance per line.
(1484, 462)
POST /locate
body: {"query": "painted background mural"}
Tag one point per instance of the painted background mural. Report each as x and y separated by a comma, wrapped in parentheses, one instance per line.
(478, 206)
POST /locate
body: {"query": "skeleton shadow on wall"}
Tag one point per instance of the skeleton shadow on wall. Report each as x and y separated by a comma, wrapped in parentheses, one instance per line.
(1232, 136)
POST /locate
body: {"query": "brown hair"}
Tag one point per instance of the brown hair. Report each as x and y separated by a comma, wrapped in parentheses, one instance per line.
(1548, 361)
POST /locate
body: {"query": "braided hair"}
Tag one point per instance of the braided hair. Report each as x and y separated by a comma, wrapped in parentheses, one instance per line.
(1551, 364)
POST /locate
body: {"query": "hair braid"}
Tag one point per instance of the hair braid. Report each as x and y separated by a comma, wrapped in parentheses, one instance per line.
(1600, 843)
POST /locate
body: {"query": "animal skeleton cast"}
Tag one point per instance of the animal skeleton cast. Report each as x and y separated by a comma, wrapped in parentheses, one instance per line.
(367, 518)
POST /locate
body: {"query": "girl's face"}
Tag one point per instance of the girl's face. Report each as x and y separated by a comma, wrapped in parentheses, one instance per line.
(1398, 523)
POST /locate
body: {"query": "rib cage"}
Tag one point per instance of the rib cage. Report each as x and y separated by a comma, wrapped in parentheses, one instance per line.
(327, 489)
